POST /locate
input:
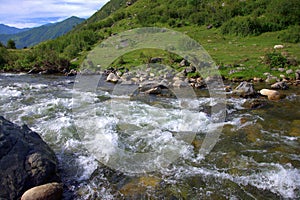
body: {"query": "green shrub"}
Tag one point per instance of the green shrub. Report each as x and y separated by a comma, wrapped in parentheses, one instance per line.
(283, 13)
(275, 59)
(119, 16)
(292, 35)
(242, 26)
(197, 18)
(3, 55)
(11, 44)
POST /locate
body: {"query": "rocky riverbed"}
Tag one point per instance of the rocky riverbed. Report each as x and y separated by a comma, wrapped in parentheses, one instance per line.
(256, 153)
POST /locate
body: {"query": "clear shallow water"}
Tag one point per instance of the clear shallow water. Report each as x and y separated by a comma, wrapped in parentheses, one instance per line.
(255, 157)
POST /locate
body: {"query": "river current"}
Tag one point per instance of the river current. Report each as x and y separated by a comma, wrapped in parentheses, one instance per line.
(256, 156)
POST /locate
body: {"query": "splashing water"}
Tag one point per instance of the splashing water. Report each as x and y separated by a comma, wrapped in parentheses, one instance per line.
(253, 158)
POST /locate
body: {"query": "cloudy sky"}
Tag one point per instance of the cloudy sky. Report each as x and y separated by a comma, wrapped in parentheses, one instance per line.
(31, 13)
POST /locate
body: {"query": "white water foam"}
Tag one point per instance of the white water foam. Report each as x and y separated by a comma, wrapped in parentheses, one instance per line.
(7, 92)
(280, 180)
(88, 165)
(147, 128)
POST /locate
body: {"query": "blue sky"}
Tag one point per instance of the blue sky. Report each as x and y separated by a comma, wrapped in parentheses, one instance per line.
(32, 13)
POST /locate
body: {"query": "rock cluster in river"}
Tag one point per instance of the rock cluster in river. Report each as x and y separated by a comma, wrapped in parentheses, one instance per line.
(155, 81)
(26, 160)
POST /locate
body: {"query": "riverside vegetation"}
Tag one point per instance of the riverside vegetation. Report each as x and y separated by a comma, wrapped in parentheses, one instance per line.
(239, 35)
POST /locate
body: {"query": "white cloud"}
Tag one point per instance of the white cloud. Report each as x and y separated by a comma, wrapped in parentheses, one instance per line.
(29, 13)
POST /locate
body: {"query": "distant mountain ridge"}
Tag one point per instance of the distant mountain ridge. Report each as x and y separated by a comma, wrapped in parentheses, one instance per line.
(4, 29)
(33, 36)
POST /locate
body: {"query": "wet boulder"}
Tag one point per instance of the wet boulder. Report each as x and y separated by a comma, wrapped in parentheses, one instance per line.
(190, 69)
(150, 87)
(180, 83)
(156, 90)
(245, 89)
(26, 160)
(147, 85)
(183, 63)
(112, 78)
(50, 191)
(155, 60)
(280, 85)
(72, 72)
(256, 103)
(297, 75)
(271, 94)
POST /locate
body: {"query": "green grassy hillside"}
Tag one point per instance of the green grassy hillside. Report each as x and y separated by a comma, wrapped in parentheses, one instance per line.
(240, 34)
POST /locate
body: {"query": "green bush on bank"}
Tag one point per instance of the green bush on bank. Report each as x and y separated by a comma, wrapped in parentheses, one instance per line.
(242, 26)
(275, 59)
(291, 35)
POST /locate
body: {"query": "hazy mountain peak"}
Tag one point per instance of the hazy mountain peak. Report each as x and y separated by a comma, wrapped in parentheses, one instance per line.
(32, 36)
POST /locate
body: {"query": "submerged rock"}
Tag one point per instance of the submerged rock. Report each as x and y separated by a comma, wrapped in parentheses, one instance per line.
(245, 89)
(73, 72)
(143, 87)
(50, 191)
(180, 83)
(295, 128)
(154, 88)
(256, 103)
(26, 160)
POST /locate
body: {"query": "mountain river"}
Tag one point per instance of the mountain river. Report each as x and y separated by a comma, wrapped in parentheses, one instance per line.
(256, 155)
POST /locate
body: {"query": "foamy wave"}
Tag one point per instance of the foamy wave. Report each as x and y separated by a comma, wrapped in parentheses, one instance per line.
(88, 165)
(282, 181)
(8, 92)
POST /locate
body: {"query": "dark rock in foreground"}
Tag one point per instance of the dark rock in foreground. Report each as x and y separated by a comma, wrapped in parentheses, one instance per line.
(26, 160)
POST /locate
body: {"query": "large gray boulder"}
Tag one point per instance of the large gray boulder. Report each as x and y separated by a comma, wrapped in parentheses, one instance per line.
(26, 160)
(245, 89)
